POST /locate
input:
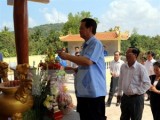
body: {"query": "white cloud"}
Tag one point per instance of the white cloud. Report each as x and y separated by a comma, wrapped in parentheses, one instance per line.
(31, 22)
(131, 14)
(54, 16)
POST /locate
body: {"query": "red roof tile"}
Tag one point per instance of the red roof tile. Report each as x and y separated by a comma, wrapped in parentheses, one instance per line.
(99, 35)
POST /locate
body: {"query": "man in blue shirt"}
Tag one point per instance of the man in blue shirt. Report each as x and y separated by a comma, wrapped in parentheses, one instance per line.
(105, 52)
(90, 78)
(1, 57)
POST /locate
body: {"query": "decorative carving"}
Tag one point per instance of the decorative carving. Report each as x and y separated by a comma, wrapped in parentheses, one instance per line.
(4, 71)
(117, 30)
(22, 71)
(25, 84)
(24, 90)
(16, 95)
(17, 116)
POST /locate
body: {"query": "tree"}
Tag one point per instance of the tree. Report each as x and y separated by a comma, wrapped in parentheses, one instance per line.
(7, 43)
(36, 42)
(54, 41)
(5, 29)
(72, 25)
(143, 42)
(43, 36)
(39, 42)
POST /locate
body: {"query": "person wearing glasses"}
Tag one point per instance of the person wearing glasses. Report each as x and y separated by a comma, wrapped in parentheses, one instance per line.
(133, 83)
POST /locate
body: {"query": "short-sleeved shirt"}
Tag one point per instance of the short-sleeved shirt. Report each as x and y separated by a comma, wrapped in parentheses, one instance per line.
(1, 57)
(105, 53)
(149, 66)
(90, 81)
(115, 67)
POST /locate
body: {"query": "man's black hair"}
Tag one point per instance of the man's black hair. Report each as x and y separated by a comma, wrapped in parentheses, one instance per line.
(117, 52)
(151, 53)
(157, 63)
(89, 22)
(135, 50)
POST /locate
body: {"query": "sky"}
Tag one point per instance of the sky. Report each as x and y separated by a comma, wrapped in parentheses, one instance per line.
(140, 15)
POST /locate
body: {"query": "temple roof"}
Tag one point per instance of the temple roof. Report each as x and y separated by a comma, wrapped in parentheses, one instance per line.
(99, 35)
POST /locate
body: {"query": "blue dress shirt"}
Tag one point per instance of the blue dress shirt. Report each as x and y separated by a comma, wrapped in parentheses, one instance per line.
(90, 81)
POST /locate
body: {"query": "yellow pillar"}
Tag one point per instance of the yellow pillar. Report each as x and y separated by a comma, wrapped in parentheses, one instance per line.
(119, 44)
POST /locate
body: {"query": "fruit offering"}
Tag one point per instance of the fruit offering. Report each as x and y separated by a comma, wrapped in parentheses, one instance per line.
(13, 83)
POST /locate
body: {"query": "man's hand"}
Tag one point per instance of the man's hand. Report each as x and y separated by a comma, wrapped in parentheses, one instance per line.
(71, 70)
(62, 55)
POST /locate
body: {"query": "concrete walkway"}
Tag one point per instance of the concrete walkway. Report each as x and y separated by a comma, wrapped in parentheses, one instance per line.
(112, 112)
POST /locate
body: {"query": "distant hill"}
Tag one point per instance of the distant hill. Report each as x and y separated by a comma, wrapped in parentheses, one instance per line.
(46, 28)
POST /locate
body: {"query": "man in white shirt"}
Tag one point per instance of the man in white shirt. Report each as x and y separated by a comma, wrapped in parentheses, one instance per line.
(133, 82)
(149, 67)
(115, 66)
(149, 63)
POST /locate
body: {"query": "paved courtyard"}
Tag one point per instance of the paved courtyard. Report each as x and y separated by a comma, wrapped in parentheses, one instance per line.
(112, 112)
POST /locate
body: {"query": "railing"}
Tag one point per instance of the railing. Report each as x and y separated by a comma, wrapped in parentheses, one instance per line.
(34, 61)
(108, 59)
(12, 61)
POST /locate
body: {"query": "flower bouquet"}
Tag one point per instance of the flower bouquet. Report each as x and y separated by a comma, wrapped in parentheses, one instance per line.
(45, 87)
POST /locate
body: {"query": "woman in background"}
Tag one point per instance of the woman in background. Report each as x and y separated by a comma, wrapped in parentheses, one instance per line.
(155, 91)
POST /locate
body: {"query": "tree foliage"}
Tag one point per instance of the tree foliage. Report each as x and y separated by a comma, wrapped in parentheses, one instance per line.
(72, 25)
(46, 36)
(40, 42)
(143, 42)
(7, 43)
(40, 38)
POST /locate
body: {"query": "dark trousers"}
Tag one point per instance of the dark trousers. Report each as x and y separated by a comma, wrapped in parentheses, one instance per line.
(155, 105)
(113, 88)
(113, 85)
(148, 95)
(132, 107)
(91, 108)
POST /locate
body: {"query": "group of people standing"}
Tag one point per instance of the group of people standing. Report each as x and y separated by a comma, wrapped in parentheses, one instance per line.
(131, 79)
